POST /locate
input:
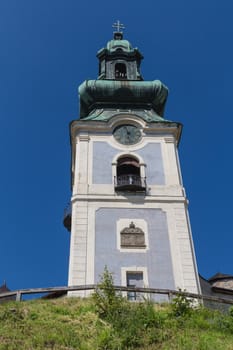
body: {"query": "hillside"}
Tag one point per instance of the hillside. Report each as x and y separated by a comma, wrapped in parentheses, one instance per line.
(73, 323)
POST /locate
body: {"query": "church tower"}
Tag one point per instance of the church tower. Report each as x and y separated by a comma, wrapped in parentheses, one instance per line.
(129, 208)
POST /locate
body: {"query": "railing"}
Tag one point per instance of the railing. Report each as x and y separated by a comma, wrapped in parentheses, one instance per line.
(130, 183)
(131, 291)
(67, 217)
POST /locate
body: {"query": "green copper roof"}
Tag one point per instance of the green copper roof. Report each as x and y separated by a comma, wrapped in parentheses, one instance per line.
(120, 87)
(124, 45)
(115, 94)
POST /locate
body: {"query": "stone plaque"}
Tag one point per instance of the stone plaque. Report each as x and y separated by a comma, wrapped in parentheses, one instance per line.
(132, 237)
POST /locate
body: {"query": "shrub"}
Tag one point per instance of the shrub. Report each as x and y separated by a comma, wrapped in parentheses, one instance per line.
(107, 301)
(131, 324)
(181, 305)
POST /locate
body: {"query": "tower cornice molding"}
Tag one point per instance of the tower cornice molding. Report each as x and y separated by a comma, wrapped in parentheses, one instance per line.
(122, 117)
(84, 137)
(163, 128)
(169, 139)
(135, 199)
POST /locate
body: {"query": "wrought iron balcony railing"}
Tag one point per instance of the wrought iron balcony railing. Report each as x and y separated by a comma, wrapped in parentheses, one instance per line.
(130, 182)
(67, 217)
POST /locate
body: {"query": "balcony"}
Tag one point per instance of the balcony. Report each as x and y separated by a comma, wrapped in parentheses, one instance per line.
(130, 183)
(67, 218)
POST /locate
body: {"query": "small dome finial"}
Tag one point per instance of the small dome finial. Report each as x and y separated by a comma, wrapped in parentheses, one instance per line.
(118, 34)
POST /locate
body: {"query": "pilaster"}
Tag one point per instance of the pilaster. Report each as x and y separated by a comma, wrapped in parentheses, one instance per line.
(78, 247)
(82, 158)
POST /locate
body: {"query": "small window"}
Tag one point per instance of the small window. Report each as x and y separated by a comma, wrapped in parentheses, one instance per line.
(120, 71)
(132, 237)
(134, 279)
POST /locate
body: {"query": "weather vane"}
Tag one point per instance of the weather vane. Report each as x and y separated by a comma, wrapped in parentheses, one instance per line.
(118, 25)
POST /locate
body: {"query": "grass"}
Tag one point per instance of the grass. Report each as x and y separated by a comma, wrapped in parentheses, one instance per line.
(73, 323)
(107, 321)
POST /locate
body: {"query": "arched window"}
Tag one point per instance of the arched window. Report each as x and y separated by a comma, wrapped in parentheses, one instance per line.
(128, 165)
(128, 175)
(120, 71)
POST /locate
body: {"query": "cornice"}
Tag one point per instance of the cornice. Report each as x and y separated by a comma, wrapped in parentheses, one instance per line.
(174, 128)
(130, 199)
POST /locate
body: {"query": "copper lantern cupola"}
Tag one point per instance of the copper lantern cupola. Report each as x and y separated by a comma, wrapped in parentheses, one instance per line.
(119, 60)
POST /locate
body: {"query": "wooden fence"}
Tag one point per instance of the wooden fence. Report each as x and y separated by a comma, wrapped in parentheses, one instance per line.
(169, 293)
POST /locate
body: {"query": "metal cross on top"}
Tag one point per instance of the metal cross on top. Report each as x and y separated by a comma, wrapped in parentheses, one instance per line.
(118, 25)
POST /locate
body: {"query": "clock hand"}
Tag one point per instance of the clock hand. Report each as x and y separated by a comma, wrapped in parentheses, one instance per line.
(127, 131)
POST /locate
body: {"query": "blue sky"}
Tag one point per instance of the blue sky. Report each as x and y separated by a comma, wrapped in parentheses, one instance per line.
(47, 49)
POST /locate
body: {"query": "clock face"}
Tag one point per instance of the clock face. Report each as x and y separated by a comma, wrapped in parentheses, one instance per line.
(127, 134)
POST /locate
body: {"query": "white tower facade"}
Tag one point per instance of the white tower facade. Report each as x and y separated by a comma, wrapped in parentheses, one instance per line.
(129, 208)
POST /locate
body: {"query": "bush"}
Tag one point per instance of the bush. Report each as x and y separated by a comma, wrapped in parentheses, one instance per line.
(107, 301)
(131, 324)
(181, 305)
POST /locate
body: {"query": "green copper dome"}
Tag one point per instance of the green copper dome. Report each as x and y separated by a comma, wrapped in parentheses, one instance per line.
(100, 94)
(120, 85)
(123, 45)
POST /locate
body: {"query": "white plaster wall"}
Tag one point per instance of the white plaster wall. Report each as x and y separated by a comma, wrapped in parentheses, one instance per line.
(88, 198)
(84, 160)
(83, 241)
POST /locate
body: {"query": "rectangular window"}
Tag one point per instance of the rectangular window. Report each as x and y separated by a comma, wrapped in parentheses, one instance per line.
(134, 279)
